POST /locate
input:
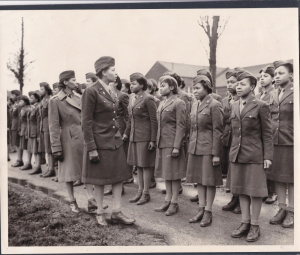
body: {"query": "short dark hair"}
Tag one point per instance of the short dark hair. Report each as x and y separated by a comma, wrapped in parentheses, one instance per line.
(143, 81)
(177, 78)
(94, 79)
(171, 82)
(36, 97)
(48, 89)
(119, 83)
(100, 72)
(253, 81)
(127, 85)
(182, 83)
(206, 86)
(289, 67)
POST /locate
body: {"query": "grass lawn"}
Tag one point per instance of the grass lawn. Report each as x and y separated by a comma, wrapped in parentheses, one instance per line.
(34, 219)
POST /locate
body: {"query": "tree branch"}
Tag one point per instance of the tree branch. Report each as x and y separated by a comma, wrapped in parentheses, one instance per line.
(201, 24)
(223, 26)
(204, 49)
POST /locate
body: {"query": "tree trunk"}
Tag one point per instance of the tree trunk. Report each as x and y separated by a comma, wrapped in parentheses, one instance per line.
(213, 50)
(21, 66)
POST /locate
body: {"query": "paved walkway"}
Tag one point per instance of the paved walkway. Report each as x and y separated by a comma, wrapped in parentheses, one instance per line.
(175, 229)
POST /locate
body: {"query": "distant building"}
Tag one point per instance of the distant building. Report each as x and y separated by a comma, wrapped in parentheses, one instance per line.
(188, 72)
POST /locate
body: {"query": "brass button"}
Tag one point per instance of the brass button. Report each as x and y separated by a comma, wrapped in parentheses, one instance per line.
(113, 126)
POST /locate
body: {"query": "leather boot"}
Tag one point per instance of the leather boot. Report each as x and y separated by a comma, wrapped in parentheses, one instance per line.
(271, 199)
(198, 217)
(101, 219)
(207, 219)
(26, 167)
(241, 231)
(41, 175)
(181, 190)
(163, 191)
(289, 220)
(164, 207)
(92, 205)
(279, 217)
(108, 192)
(194, 199)
(43, 161)
(145, 198)
(232, 204)
(136, 198)
(253, 234)
(74, 207)
(36, 171)
(77, 183)
(119, 217)
(237, 209)
(173, 209)
(49, 174)
(18, 163)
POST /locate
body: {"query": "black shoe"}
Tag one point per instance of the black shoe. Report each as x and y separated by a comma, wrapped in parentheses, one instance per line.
(237, 209)
(145, 198)
(108, 192)
(41, 175)
(163, 191)
(241, 231)
(101, 219)
(74, 207)
(131, 180)
(207, 219)
(289, 220)
(232, 204)
(198, 217)
(92, 206)
(279, 217)
(271, 199)
(194, 199)
(26, 167)
(18, 163)
(77, 183)
(253, 234)
(173, 209)
(50, 173)
(136, 197)
(180, 191)
(164, 207)
(8, 159)
(119, 217)
(36, 171)
(43, 161)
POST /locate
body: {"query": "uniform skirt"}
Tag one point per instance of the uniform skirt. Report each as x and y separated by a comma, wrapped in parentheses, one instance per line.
(139, 155)
(15, 138)
(168, 167)
(23, 142)
(112, 167)
(248, 179)
(282, 168)
(32, 146)
(225, 159)
(200, 169)
(47, 142)
(41, 144)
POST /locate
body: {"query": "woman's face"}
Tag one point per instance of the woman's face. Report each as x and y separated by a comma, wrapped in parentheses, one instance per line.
(265, 79)
(55, 90)
(231, 84)
(244, 88)
(165, 89)
(111, 74)
(124, 89)
(135, 87)
(21, 103)
(89, 81)
(71, 84)
(32, 99)
(43, 91)
(199, 92)
(282, 76)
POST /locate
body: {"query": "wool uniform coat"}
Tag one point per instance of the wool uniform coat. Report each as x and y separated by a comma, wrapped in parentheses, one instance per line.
(187, 99)
(66, 135)
(216, 97)
(15, 118)
(44, 109)
(171, 118)
(122, 101)
(142, 123)
(265, 96)
(33, 121)
(101, 132)
(23, 121)
(157, 101)
(251, 132)
(206, 127)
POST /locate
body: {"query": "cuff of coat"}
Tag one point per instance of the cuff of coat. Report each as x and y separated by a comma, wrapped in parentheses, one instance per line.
(91, 146)
(216, 153)
(56, 148)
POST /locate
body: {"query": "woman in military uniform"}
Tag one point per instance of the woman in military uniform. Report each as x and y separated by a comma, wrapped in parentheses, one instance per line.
(125, 86)
(46, 93)
(141, 130)
(282, 171)
(203, 165)
(251, 152)
(104, 159)
(170, 163)
(91, 78)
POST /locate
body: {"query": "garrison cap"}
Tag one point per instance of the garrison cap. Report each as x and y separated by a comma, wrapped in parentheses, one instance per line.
(279, 63)
(200, 78)
(66, 75)
(206, 73)
(136, 76)
(55, 85)
(90, 75)
(16, 92)
(124, 81)
(103, 63)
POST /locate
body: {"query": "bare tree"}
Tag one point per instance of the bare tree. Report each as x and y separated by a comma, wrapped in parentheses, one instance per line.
(18, 66)
(213, 33)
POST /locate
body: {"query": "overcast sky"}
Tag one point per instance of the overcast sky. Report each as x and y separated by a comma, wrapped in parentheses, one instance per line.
(74, 40)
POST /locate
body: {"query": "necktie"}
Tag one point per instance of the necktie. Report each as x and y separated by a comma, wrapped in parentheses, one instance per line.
(134, 99)
(242, 105)
(281, 94)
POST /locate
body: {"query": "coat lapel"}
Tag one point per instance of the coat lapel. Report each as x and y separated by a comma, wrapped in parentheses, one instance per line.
(61, 95)
(288, 91)
(236, 109)
(102, 91)
(169, 102)
(139, 99)
(204, 103)
(250, 104)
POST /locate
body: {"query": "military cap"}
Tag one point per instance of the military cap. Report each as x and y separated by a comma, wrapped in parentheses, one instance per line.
(103, 63)
(169, 73)
(55, 85)
(24, 98)
(90, 75)
(268, 69)
(136, 76)
(66, 75)
(206, 73)
(244, 74)
(200, 78)
(279, 63)
(233, 72)
(154, 82)
(44, 84)
(16, 92)
(124, 81)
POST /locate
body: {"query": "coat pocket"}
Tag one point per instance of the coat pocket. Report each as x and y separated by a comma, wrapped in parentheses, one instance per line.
(75, 131)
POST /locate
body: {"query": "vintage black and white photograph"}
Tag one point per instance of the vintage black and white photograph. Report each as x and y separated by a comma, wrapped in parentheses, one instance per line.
(149, 127)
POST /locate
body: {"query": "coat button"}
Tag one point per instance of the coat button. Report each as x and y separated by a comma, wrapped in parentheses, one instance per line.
(113, 118)
(114, 111)
(239, 128)
(277, 120)
(276, 128)
(239, 144)
(113, 126)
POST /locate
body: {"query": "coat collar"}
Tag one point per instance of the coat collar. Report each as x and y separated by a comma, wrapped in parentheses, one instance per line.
(102, 91)
(205, 102)
(250, 104)
(61, 95)
(168, 102)
(139, 98)
(289, 89)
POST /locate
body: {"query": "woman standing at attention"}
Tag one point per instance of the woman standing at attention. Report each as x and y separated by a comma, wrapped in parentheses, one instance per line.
(170, 162)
